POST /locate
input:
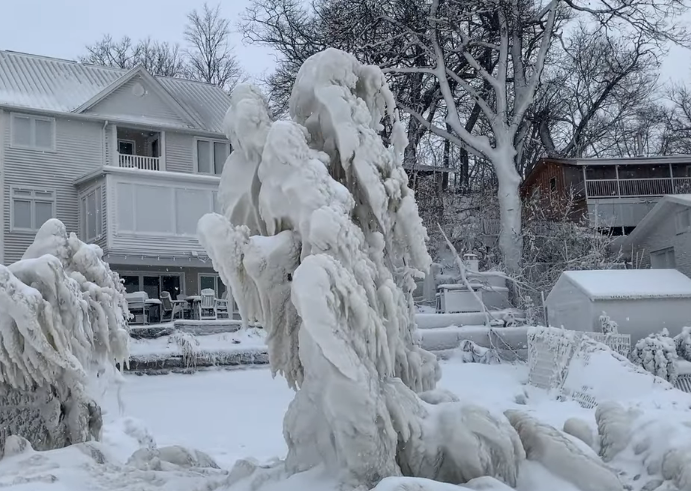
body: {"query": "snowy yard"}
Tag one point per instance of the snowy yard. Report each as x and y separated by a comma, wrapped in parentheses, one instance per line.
(238, 414)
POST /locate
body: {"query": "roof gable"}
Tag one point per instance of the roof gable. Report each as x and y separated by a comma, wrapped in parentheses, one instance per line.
(661, 211)
(62, 86)
(630, 284)
(140, 95)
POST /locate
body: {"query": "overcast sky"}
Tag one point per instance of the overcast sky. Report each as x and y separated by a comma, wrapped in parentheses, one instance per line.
(62, 28)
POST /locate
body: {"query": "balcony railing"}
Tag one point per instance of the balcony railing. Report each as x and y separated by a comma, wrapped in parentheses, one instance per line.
(630, 188)
(139, 162)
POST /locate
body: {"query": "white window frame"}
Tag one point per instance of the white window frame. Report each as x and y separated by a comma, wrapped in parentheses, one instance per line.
(173, 207)
(131, 142)
(83, 219)
(34, 228)
(217, 280)
(211, 144)
(32, 136)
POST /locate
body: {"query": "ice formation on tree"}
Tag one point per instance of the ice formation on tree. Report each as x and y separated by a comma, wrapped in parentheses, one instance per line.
(321, 241)
(683, 343)
(607, 325)
(63, 323)
(657, 353)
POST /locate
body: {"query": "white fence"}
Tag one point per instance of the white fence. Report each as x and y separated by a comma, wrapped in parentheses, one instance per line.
(139, 162)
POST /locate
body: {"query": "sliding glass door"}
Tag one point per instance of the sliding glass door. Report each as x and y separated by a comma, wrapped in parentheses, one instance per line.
(153, 283)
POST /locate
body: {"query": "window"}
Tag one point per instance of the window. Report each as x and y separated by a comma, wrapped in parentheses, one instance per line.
(91, 216)
(32, 132)
(153, 283)
(212, 281)
(157, 210)
(663, 259)
(31, 208)
(683, 220)
(553, 184)
(211, 156)
(126, 147)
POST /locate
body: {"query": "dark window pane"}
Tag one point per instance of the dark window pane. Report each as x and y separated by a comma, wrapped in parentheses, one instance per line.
(151, 285)
(131, 283)
(171, 284)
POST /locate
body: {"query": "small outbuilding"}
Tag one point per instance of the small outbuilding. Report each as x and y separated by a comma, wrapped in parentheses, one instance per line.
(640, 301)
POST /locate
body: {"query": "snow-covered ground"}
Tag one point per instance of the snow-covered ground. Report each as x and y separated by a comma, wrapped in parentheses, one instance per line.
(237, 414)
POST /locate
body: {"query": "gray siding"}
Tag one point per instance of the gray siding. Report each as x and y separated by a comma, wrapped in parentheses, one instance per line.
(179, 149)
(79, 150)
(664, 235)
(149, 108)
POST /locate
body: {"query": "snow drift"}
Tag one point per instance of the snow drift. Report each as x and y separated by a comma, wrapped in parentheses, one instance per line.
(63, 324)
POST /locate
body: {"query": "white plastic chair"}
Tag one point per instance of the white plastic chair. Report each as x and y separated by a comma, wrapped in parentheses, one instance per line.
(207, 307)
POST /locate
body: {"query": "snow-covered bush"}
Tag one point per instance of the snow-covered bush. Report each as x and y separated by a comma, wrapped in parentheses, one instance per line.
(607, 325)
(657, 354)
(683, 343)
(188, 346)
(470, 352)
(63, 325)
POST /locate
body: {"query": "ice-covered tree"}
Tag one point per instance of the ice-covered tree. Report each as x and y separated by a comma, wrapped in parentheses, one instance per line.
(657, 354)
(63, 324)
(320, 240)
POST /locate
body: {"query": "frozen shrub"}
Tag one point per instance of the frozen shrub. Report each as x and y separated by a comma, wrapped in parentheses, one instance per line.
(607, 325)
(683, 343)
(657, 354)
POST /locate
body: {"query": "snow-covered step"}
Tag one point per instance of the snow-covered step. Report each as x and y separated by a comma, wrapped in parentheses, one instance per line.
(195, 327)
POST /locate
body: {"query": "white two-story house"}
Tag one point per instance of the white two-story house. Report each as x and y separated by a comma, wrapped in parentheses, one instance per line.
(124, 159)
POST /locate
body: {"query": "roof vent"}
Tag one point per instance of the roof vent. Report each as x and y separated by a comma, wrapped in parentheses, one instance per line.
(138, 90)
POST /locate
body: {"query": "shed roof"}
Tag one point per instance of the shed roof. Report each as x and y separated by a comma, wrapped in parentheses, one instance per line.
(652, 160)
(631, 284)
(51, 84)
(660, 211)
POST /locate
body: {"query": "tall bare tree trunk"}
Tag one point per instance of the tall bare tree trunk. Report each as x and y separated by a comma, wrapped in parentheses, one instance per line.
(508, 180)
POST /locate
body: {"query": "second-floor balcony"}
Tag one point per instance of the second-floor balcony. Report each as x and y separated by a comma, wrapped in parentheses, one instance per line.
(631, 188)
(139, 162)
(138, 149)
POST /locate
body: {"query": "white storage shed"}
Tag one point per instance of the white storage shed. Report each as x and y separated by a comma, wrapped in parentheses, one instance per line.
(640, 301)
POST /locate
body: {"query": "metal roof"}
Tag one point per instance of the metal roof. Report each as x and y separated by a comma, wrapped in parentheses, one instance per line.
(51, 84)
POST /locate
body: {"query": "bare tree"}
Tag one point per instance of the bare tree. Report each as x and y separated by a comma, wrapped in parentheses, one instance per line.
(210, 56)
(158, 58)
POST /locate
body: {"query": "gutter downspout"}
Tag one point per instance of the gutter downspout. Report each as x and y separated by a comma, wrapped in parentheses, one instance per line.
(105, 125)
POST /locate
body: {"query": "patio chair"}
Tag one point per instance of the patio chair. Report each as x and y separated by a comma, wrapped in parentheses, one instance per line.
(222, 309)
(170, 308)
(136, 303)
(207, 307)
(186, 306)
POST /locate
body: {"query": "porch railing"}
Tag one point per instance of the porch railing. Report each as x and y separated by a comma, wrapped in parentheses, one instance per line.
(618, 188)
(139, 162)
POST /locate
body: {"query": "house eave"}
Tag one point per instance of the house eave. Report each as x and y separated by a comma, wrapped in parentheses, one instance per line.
(149, 174)
(114, 120)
